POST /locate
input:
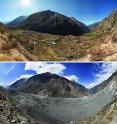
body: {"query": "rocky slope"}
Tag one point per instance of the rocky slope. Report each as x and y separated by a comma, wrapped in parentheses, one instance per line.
(61, 110)
(64, 110)
(19, 83)
(110, 85)
(9, 113)
(108, 47)
(108, 115)
(10, 48)
(51, 85)
(109, 22)
(94, 25)
(106, 44)
(24, 108)
(100, 107)
(53, 23)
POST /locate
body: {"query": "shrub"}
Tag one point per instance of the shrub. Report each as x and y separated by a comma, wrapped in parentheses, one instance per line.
(114, 38)
(2, 30)
(97, 54)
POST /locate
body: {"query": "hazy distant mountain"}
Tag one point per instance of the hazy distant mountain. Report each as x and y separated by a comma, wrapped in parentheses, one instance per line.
(94, 25)
(53, 23)
(52, 85)
(17, 21)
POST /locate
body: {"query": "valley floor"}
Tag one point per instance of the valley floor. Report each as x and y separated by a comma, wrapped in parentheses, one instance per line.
(22, 45)
(17, 107)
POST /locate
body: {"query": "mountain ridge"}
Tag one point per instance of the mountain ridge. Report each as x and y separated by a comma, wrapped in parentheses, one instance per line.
(51, 85)
(16, 21)
(108, 23)
(45, 77)
(98, 107)
(53, 23)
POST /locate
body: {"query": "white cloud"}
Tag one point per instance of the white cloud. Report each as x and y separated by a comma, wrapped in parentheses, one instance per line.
(22, 76)
(25, 76)
(7, 71)
(72, 78)
(43, 67)
(107, 70)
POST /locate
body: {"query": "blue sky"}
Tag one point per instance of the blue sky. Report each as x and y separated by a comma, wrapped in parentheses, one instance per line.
(87, 74)
(87, 11)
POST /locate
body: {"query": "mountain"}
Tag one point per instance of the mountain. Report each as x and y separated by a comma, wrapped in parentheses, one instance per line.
(110, 85)
(97, 45)
(53, 23)
(18, 83)
(16, 21)
(51, 85)
(100, 107)
(108, 23)
(94, 25)
(100, 44)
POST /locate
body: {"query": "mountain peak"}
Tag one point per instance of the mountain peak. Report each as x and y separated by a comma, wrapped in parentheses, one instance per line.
(51, 22)
(48, 74)
(45, 12)
(49, 11)
(52, 85)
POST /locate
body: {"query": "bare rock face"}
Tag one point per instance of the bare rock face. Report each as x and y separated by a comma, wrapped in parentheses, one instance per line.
(108, 86)
(9, 113)
(51, 85)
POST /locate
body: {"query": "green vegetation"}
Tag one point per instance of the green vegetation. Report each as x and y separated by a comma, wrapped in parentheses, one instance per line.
(2, 30)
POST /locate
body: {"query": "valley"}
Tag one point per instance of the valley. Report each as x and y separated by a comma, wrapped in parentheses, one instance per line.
(96, 44)
(97, 107)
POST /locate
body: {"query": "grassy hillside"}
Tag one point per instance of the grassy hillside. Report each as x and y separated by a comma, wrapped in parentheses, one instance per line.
(54, 47)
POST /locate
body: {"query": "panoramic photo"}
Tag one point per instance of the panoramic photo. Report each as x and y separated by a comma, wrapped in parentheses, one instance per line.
(58, 93)
(58, 30)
